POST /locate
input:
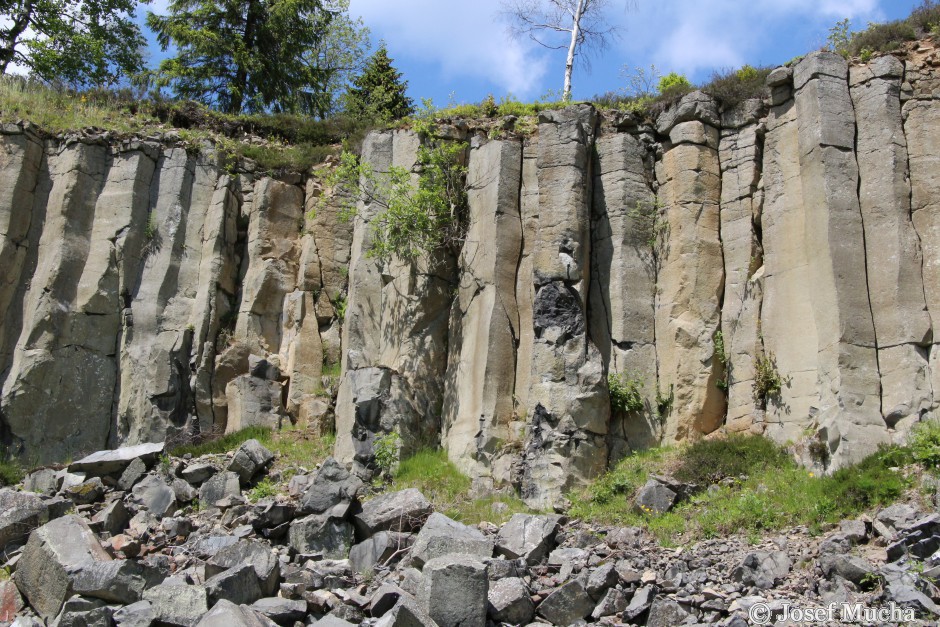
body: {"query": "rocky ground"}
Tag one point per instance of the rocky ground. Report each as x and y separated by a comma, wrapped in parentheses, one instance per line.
(134, 538)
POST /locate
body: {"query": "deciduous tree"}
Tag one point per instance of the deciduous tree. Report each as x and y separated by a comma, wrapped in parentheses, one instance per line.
(576, 25)
(78, 42)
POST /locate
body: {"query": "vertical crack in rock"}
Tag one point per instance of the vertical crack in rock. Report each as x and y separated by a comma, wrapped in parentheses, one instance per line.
(740, 155)
(849, 416)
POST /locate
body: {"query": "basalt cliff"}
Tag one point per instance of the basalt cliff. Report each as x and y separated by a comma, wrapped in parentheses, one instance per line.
(150, 293)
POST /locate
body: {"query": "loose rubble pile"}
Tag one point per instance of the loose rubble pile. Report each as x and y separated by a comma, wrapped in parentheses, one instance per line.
(120, 538)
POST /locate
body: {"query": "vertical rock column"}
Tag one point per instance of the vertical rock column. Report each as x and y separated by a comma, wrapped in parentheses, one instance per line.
(478, 398)
(849, 384)
(893, 255)
(155, 398)
(21, 155)
(58, 391)
(567, 406)
(416, 303)
(396, 329)
(623, 285)
(740, 152)
(691, 273)
(273, 253)
(216, 288)
(788, 326)
(922, 129)
(363, 386)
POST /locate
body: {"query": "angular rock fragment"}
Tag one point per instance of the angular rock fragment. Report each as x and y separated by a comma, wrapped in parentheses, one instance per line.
(510, 602)
(440, 536)
(762, 569)
(115, 461)
(227, 614)
(250, 459)
(454, 591)
(251, 553)
(567, 604)
(405, 510)
(329, 537)
(43, 571)
(528, 536)
(178, 604)
(333, 487)
(20, 513)
(238, 584)
(218, 487)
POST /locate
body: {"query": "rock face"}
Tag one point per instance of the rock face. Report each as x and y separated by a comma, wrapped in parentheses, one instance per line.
(162, 274)
(769, 268)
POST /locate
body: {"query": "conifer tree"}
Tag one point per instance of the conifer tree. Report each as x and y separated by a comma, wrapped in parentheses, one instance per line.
(379, 92)
(245, 55)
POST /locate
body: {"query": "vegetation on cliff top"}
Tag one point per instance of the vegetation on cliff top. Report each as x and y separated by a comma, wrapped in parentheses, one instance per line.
(924, 20)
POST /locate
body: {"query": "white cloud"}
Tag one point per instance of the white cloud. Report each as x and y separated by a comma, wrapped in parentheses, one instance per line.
(464, 39)
(690, 35)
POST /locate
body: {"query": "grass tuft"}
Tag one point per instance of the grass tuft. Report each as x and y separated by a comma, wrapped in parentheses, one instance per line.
(449, 490)
(293, 142)
(772, 492)
(732, 87)
(216, 445)
(710, 461)
(11, 472)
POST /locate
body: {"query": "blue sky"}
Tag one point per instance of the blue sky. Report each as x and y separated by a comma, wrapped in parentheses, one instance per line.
(459, 50)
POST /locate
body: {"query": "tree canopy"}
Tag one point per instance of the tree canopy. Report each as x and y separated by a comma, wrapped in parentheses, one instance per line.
(78, 42)
(341, 55)
(379, 92)
(247, 55)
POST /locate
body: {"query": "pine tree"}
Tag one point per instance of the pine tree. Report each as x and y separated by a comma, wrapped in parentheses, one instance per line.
(245, 55)
(379, 92)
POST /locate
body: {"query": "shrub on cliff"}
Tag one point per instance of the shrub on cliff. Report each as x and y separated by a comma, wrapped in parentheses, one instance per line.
(731, 87)
(887, 36)
(413, 220)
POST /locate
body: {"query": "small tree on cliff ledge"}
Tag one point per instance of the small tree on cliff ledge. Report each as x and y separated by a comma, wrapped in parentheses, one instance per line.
(379, 92)
(577, 25)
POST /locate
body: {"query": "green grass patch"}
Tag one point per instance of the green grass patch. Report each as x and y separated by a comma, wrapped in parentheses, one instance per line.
(294, 142)
(732, 87)
(710, 461)
(293, 445)
(262, 490)
(925, 445)
(772, 491)
(449, 490)
(11, 472)
(216, 445)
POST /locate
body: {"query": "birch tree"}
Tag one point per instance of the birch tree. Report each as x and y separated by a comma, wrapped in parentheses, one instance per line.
(576, 25)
